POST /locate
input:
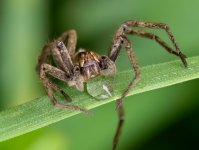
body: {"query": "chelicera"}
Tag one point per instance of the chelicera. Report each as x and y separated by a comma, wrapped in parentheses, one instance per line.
(76, 67)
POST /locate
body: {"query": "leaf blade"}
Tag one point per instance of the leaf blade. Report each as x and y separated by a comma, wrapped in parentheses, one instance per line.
(40, 112)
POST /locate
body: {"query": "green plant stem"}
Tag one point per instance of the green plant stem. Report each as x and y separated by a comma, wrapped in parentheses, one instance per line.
(40, 112)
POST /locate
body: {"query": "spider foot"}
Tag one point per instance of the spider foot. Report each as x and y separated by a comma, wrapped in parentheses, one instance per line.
(73, 107)
(183, 59)
(50, 92)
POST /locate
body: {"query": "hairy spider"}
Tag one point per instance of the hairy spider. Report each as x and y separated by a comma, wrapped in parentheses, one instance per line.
(75, 68)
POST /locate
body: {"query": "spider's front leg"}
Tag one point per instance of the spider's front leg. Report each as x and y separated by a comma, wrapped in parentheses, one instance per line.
(51, 88)
(64, 71)
(155, 25)
(50, 49)
(119, 40)
(70, 40)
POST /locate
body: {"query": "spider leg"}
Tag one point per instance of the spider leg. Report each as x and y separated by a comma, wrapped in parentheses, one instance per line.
(50, 87)
(43, 68)
(50, 49)
(67, 52)
(134, 65)
(65, 56)
(43, 57)
(55, 72)
(121, 116)
(70, 39)
(119, 102)
(121, 39)
(154, 37)
(154, 25)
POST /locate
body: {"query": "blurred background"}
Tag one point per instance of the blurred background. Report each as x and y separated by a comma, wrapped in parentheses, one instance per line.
(166, 118)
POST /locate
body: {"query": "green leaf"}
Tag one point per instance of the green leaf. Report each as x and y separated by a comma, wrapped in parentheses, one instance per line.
(40, 112)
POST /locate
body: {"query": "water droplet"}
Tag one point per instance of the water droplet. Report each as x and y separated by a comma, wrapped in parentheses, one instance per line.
(101, 87)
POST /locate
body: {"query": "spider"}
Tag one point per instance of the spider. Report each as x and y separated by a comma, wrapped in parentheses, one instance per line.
(75, 68)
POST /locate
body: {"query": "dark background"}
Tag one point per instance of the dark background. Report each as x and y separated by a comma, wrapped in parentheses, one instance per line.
(166, 118)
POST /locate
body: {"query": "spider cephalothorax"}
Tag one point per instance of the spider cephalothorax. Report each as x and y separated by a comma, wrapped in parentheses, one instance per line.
(75, 68)
(84, 65)
(92, 64)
